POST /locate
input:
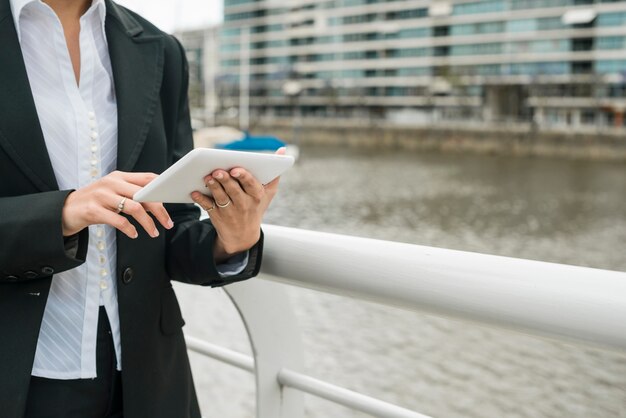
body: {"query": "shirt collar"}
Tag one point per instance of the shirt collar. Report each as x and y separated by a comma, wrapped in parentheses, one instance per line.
(18, 5)
(16, 10)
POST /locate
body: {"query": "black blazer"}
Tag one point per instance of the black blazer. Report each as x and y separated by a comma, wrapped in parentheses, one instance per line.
(150, 75)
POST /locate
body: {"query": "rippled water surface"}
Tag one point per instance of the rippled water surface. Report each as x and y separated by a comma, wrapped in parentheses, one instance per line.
(554, 210)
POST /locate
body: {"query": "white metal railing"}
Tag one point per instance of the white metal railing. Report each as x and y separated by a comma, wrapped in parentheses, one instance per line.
(575, 304)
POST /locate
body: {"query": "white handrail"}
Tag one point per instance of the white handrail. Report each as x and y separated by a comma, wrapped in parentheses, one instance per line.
(222, 354)
(305, 383)
(558, 301)
(345, 397)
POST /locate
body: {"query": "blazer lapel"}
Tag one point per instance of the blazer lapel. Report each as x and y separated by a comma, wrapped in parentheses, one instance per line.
(20, 133)
(137, 62)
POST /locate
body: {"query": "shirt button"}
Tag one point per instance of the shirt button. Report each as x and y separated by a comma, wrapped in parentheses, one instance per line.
(103, 272)
(30, 274)
(94, 172)
(91, 115)
(94, 135)
(92, 124)
(128, 275)
(93, 162)
(100, 245)
(102, 259)
(104, 285)
(94, 148)
(99, 232)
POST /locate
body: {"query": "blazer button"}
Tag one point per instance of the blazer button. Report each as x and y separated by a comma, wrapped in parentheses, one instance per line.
(128, 275)
(30, 275)
(11, 278)
(47, 270)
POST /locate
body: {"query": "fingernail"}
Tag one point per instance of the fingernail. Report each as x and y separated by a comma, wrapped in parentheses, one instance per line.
(212, 182)
(195, 195)
(135, 235)
(235, 174)
(155, 233)
(219, 176)
(170, 223)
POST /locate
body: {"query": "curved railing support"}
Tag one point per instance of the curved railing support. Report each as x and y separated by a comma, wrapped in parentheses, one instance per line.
(275, 340)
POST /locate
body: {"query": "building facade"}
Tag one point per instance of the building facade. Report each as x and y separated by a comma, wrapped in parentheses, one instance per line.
(549, 62)
(202, 51)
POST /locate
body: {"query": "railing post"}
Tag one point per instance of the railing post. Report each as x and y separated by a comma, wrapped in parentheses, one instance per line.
(275, 340)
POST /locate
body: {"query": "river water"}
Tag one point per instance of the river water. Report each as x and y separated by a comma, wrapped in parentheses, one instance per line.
(562, 211)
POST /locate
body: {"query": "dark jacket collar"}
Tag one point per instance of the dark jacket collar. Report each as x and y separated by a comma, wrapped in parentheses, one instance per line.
(20, 133)
(5, 9)
(137, 61)
(125, 19)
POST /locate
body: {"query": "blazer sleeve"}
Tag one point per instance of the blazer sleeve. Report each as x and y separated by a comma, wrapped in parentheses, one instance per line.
(31, 237)
(189, 251)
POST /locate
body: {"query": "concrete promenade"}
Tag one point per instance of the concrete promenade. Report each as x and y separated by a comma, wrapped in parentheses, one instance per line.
(515, 139)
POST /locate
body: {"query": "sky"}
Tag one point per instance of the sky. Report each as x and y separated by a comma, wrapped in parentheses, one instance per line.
(171, 15)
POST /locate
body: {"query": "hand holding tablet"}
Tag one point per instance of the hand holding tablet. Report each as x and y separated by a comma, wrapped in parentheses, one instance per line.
(176, 184)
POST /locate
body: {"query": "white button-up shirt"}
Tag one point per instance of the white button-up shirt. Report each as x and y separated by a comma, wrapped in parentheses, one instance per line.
(79, 124)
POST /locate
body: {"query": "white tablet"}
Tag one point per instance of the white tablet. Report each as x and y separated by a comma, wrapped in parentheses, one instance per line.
(176, 184)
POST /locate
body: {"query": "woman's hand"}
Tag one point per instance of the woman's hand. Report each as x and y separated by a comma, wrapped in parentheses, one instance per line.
(98, 204)
(236, 208)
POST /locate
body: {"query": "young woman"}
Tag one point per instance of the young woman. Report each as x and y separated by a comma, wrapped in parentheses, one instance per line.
(93, 101)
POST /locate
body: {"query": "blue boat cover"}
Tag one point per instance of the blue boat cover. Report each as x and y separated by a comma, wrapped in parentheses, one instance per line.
(253, 143)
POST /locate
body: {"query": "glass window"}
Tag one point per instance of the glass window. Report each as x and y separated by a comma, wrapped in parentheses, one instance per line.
(489, 6)
(325, 40)
(350, 20)
(477, 28)
(348, 3)
(229, 48)
(484, 70)
(231, 32)
(539, 4)
(611, 19)
(550, 23)
(610, 42)
(406, 14)
(532, 25)
(410, 52)
(325, 75)
(228, 3)
(539, 68)
(229, 17)
(543, 46)
(476, 49)
(611, 66)
(360, 37)
(414, 71)
(414, 33)
(524, 25)
(230, 63)
(266, 28)
(352, 74)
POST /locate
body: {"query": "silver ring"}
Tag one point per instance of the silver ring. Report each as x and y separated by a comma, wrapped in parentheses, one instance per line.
(225, 205)
(120, 206)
